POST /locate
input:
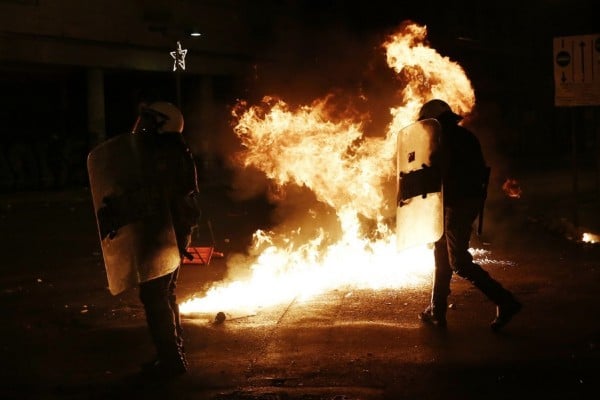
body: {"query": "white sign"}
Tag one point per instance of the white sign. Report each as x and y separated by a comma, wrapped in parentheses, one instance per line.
(577, 70)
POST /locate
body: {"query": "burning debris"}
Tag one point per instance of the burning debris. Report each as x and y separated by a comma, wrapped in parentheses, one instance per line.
(564, 227)
(512, 188)
(588, 237)
(344, 237)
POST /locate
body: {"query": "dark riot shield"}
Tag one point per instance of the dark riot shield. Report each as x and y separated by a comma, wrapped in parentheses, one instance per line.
(419, 211)
(132, 213)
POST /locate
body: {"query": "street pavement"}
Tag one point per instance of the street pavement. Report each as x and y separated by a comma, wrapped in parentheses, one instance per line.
(65, 337)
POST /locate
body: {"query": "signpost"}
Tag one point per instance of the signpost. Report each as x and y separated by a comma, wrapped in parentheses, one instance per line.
(577, 84)
(577, 70)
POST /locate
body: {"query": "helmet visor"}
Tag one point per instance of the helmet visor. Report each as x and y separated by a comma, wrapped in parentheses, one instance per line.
(149, 121)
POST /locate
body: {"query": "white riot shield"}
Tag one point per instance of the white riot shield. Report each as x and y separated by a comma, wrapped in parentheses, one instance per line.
(132, 213)
(419, 211)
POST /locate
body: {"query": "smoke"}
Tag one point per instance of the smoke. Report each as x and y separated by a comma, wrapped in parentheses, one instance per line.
(488, 123)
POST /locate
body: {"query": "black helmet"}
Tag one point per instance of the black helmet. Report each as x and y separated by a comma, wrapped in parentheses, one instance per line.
(437, 109)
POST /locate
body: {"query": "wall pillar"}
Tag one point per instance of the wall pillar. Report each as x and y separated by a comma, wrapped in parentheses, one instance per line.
(95, 107)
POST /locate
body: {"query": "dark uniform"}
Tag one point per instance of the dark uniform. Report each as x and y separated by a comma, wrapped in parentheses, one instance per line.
(464, 178)
(176, 174)
(176, 177)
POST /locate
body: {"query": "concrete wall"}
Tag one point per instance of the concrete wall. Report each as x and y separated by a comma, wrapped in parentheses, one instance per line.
(136, 34)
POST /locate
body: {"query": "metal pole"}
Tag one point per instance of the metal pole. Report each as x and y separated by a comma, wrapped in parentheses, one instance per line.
(574, 166)
(95, 107)
(596, 120)
(178, 88)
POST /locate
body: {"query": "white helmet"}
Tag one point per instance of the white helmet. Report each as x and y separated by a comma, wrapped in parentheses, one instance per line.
(437, 108)
(159, 117)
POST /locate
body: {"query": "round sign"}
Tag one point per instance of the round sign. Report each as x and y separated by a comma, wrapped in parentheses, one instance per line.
(563, 58)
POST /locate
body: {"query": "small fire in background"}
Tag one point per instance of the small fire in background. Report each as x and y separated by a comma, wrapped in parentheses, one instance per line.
(345, 237)
(512, 188)
(588, 237)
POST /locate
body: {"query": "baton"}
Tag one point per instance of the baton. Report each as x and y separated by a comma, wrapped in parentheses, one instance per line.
(485, 183)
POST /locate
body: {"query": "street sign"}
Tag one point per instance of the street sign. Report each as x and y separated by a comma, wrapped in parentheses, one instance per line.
(577, 70)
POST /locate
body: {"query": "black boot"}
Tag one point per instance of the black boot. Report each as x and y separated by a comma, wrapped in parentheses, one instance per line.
(504, 313)
(435, 314)
(166, 366)
(165, 328)
(506, 304)
(434, 317)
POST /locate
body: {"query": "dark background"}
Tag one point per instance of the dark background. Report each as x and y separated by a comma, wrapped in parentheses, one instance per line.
(64, 336)
(299, 50)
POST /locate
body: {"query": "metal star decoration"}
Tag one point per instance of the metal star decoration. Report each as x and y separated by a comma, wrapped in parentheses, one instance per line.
(178, 57)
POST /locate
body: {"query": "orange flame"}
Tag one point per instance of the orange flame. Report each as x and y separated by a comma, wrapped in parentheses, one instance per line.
(589, 237)
(346, 239)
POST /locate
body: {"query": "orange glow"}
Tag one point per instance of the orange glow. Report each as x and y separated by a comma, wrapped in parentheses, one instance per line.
(346, 238)
(512, 188)
(590, 238)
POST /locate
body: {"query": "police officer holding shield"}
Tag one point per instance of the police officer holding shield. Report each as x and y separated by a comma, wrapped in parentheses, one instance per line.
(143, 186)
(464, 183)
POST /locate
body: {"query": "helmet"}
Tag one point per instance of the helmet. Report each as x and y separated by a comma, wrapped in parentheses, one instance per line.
(437, 108)
(159, 117)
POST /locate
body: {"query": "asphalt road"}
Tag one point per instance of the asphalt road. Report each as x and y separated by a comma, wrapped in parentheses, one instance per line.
(65, 337)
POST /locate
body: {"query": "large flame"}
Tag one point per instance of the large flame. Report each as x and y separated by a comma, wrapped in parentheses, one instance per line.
(347, 238)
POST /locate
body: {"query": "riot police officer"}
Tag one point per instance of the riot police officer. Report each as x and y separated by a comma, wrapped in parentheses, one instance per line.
(143, 185)
(163, 123)
(464, 182)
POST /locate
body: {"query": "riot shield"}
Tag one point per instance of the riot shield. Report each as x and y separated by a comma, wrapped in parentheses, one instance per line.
(132, 213)
(419, 211)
